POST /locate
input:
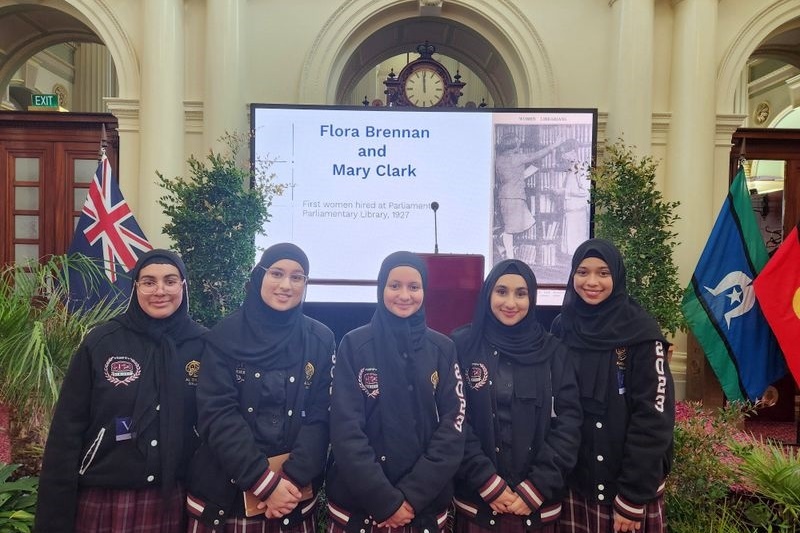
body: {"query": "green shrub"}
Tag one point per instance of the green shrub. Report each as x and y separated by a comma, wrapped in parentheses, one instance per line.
(725, 480)
(17, 500)
(772, 480)
(631, 213)
(214, 218)
(703, 469)
(38, 336)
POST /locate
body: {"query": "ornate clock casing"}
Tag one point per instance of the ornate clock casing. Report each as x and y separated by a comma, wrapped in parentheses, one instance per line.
(423, 83)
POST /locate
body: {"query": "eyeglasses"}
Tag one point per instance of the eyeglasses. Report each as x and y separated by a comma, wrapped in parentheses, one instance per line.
(276, 275)
(170, 286)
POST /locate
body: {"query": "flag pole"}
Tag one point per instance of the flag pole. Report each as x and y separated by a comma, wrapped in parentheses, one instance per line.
(103, 142)
(742, 153)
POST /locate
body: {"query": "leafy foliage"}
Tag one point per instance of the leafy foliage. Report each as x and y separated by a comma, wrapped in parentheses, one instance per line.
(38, 333)
(214, 218)
(38, 336)
(17, 500)
(631, 213)
(725, 480)
(773, 478)
(703, 470)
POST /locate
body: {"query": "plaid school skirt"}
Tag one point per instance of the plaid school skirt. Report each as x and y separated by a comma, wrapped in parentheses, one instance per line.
(256, 524)
(581, 516)
(103, 510)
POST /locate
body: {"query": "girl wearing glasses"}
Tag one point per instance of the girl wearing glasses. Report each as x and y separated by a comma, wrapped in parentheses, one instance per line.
(523, 411)
(123, 428)
(627, 397)
(397, 414)
(263, 402)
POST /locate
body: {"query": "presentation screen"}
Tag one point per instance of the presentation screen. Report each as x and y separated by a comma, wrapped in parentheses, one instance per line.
(364, 182)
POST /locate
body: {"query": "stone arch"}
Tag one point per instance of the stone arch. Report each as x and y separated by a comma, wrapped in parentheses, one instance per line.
(512, 39)
(757, 28)
(111, 31)
(107, 29)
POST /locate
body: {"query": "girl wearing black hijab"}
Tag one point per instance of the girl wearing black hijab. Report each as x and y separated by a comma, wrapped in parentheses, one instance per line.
(627, 396)
(264, 392)
(523, 411)
(397, 414)
(123, 428)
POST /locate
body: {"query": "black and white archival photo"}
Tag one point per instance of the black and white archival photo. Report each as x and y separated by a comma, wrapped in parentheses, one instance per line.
(541, 191)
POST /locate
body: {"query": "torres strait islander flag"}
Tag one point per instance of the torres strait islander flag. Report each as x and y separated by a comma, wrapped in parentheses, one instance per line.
(720, 303)
(107, 233)
(778, 293)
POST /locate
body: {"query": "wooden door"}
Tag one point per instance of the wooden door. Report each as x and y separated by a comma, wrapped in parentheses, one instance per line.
(46, 164)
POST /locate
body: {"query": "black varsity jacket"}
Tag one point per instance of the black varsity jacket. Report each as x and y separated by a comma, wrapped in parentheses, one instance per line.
(93, 441)
(358, 489)
(626, 448)
(247, 414)
(545, 434)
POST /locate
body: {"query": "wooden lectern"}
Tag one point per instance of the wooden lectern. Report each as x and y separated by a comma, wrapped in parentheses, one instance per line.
(454, 283)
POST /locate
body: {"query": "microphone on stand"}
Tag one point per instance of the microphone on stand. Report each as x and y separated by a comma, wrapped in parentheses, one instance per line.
(435, 207)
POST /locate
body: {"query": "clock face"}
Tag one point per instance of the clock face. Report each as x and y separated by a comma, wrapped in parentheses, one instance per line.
(424, 87)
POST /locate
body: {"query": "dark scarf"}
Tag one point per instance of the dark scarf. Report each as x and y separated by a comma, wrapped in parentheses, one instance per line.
(257, 333)
(403, 413)
(594, 331)
(166, 336)
(526, 342)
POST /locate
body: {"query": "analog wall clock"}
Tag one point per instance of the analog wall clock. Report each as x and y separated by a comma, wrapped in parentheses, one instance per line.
(424, 86)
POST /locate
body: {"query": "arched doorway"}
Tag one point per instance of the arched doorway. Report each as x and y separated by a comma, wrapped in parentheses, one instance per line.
(509, 61)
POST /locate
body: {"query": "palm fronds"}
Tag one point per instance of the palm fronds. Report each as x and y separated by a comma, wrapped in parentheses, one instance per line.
(38, 333)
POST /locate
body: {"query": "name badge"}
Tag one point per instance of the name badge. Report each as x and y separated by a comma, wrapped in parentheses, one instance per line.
(124, 432)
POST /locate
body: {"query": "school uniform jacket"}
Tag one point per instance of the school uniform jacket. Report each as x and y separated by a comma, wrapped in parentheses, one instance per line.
(626, 450)
(93, 441)
(358, 489)
(247, 414)
(545, 433)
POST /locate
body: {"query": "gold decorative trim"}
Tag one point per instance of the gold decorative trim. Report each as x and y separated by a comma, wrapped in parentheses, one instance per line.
(62, 93)
(761, 114)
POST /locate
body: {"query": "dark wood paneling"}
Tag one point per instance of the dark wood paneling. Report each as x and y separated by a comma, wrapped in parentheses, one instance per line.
(57, 139)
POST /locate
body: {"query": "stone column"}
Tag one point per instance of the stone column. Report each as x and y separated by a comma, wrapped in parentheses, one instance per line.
(161, 107)
(631, 81)
(95, 78)
(690, 152)
(223, 106)
(691, 143)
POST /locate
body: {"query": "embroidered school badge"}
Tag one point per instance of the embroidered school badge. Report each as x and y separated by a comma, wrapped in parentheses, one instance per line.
(478, 375)
(368, 382)
(122, 370)
(309, 372)
(239, 373)
(435, 379)
(192, 372)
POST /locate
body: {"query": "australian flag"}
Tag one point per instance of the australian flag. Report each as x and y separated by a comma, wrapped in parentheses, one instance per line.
(107, 233)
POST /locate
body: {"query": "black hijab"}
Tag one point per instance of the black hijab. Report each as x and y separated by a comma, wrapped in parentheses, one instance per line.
(256, 332)
(594, 331)
(404, 412)
(526, 342)
(161, 397)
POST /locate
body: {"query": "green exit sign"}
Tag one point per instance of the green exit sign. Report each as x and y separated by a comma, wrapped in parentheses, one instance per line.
(44, 100)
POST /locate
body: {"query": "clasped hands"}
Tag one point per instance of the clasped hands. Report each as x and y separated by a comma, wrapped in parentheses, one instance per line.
(282, 501)
(509, 502)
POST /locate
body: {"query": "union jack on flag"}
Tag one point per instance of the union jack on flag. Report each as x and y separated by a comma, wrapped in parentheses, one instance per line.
(108, 233)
